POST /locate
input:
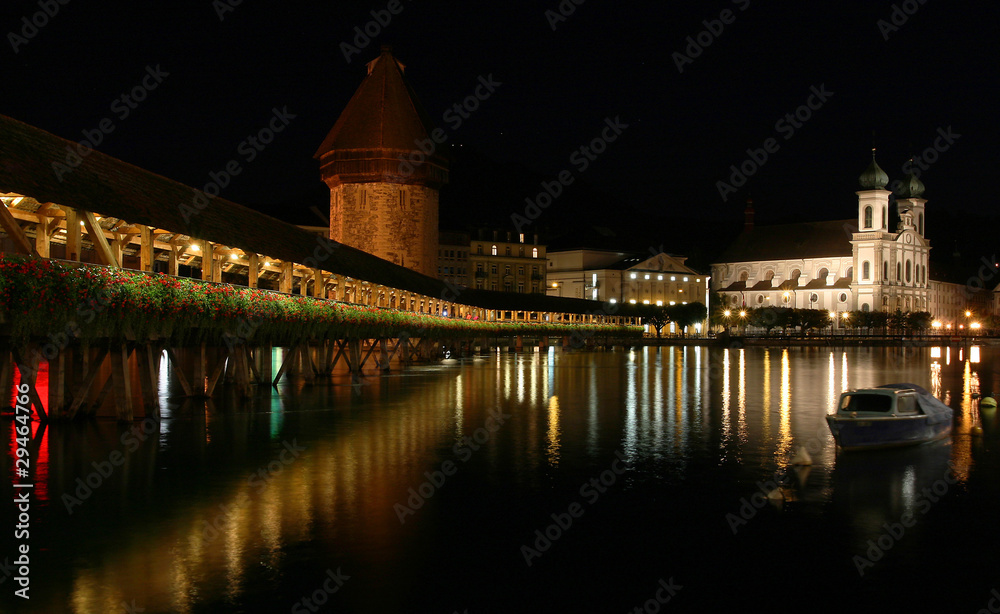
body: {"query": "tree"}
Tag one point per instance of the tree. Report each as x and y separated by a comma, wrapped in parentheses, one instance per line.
(918, 320)
(686, 315)
(767, 318)
(657, 317)
(808, 319)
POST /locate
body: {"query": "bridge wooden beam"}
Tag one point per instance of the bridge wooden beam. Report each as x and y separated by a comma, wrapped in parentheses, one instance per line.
(96, 234)
(16, 233)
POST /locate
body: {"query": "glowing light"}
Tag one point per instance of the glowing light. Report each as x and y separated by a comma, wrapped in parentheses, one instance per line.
(632, 276)
(743, 314)
(968, 314)
(974, 354)
(833, 315)
(233, 257)
(16, 201)
(936, 324)
(975, 325)
(613, 300)
(847, 315)
(727, 313)
(631, 301)
(195, 248)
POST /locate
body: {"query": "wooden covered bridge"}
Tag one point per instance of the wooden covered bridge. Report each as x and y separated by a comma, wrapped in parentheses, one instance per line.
(106, 267)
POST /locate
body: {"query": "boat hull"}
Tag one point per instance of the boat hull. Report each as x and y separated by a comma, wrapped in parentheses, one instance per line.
(888, 432)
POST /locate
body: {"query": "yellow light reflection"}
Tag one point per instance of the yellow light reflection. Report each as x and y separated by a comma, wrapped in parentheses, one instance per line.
(766, 396)
(725, 397)
(843, 372)
(741, 400)
(936, 352)
(785, 407)
(974, 354)
(552, 437)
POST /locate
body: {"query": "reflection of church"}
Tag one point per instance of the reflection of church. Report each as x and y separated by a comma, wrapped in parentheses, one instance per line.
(842, 265)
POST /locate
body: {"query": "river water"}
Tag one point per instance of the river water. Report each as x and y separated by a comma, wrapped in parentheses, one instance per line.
(535, 482)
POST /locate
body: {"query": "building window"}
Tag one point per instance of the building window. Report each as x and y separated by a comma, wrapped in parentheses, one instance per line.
(534, 252)
(813, 298)
(899, 271)
(521, 237)
(520, 252)
(631, 276)
(866, 270)
(908, 267)
(920, 224)
(843, 297)
(507, 251)
(520, 287)
(506, 269)
(885, 271)
(493, 269)
(865, 307)
(760, 299)
(520, 270)
(494, 250)
(646, 277)
(868, 217)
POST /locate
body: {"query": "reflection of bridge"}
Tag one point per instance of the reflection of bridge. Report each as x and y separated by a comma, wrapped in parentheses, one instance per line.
(64, 201)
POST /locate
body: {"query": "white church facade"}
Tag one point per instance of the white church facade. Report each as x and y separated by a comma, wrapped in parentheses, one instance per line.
(843, 265)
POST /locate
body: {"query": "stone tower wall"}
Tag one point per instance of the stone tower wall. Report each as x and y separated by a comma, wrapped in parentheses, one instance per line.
(396, 222)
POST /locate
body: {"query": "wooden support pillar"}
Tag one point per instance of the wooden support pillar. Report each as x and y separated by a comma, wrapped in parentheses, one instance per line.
(57, 384)
(149, 379)
(319, 284)
(145, 248)
(42, 238)
(384, 347)
(26, 359)
(207, 260)
(121, 381)
(172, 266)
(354, 349)
(253, 271)
(200, 378)
(263, 357)
(287, 279)
(303, 285)
(518, 343)
(74, 238)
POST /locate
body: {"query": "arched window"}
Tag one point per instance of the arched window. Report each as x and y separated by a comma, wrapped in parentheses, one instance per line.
(920, 224)
(866, 270)
(899, 271)
(850, 273)
(865, 307)
(744, 276)
(795, 275)
(868, 217)
(885, 271)
(883, 217)
(822, 274)
(908, 266)
(769, 275)
(494, 250)
(534, 252)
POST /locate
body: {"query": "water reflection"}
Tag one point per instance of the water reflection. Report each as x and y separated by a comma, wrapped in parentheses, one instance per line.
(198, 529)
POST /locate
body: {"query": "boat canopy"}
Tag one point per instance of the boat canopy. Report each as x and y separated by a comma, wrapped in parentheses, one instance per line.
(935, 410)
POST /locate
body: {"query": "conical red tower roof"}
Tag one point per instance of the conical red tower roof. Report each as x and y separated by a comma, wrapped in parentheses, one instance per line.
(378, 136)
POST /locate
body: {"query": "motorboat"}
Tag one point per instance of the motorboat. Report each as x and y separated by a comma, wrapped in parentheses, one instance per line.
(888, 416)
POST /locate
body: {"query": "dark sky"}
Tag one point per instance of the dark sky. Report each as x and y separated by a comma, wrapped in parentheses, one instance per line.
(935, 71)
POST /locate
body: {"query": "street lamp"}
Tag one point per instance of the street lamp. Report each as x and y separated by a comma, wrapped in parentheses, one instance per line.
(725, 315)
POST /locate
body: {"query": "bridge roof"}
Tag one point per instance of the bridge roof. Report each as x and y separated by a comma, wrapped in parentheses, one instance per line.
(109, 187)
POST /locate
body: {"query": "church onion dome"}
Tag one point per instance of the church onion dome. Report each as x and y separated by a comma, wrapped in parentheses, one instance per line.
(874, 178)
(910, 187)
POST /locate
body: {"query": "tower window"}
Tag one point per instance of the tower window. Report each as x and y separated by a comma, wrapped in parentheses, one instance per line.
(883, 218)
(534, 252)
(494, 250)
(866, 270)
(899, 271)
(868, 217)
(885, 271)
(908, 266)
(920, 224)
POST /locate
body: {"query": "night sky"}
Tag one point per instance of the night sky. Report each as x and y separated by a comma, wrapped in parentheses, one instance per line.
(896, 74)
